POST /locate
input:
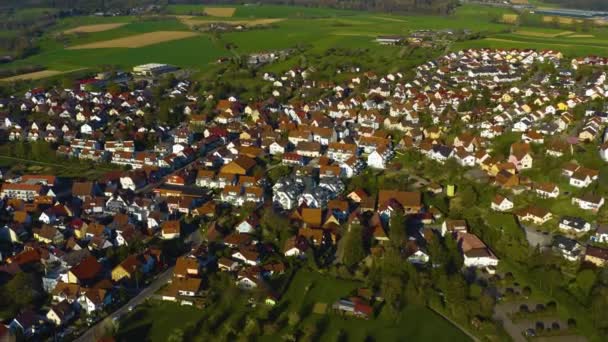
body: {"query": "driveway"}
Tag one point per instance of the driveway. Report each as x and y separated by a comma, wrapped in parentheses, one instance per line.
(537, 238)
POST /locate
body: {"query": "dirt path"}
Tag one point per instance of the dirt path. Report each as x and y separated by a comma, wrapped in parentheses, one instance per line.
(37, 75)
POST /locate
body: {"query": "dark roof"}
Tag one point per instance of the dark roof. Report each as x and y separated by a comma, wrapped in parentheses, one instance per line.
(600, 253)
(565, 243)
(573, 222)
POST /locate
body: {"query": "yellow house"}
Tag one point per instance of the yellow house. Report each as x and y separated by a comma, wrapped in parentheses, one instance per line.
(526, 108)
(562, 106)
(81, 232)
(432, 133)
(331, 219)
(585, 135)
(597, 256)
(126, 269)
(245, 135)
(506, 97)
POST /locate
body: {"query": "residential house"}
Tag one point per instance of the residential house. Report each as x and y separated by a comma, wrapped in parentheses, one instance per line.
(574, 225)
(596, 255)
(570, 249)
(588, 202)
(501, 203)
(475, 252)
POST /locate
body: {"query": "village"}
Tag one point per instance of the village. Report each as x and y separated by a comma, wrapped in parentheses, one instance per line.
(254, 188)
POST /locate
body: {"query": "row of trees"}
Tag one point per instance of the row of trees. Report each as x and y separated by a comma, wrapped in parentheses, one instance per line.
(597, 5)
(429, 6)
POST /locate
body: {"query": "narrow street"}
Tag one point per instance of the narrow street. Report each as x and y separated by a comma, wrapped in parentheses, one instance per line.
(98, 330)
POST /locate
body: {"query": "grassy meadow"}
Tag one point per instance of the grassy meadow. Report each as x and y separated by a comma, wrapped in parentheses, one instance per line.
(157, 321)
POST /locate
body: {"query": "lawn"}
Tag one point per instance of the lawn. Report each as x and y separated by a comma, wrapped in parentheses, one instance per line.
(155, 321)
(308, 289)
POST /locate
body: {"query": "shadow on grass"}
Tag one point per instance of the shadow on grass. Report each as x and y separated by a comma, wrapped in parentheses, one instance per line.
(136, 333)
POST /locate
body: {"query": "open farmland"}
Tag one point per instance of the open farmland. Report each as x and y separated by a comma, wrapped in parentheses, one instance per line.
(193, 21)
(35, 75)
(94, 28)
(220, 11)
(137, 41)
(170, 39)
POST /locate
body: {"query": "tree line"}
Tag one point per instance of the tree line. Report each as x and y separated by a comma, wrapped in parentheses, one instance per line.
(426, 6)
(596, 5)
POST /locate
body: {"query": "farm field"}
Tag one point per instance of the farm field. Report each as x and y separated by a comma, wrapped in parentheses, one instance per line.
(137, 41)
(36, 75)
(219, 11)
(94, 28)
(170, 38)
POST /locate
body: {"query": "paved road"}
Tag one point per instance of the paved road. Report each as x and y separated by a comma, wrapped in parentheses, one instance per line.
(98, 330)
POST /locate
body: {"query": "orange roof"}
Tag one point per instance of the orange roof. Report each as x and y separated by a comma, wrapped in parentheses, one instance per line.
(171, 227)
(405, 198)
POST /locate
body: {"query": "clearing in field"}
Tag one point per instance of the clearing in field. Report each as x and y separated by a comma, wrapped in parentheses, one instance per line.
(542, 34)
(137, 41)
(36, 75)
(94, 28)
(192, 21)
(509, 18)
(561, 20)
(517, 41)
(226, 12)
(581, 36)
(357, 34)
(390, 19)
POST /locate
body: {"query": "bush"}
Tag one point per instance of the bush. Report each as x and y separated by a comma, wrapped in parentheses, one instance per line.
(555, 326)
(524, 308)
(294, 318)
(571, 323)
(540, 326)
(527, 291)
(540, 307)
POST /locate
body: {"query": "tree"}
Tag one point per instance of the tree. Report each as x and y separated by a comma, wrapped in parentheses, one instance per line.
(177, 335)
(392, 290)
(486, 305)
(599, 307)
(454, 257)
(585, 281)
(353, 250)
(397, 228)
(456, 292)
(293, 318)
(22, 291)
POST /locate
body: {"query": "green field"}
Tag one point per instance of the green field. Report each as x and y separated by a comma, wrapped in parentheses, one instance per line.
(318, 29)
(156, 321)
(414, 324)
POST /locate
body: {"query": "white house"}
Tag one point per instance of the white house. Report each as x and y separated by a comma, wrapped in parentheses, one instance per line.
(588, 202)
(379, 158)
(500, 203)
(601, 234)
(575, 225)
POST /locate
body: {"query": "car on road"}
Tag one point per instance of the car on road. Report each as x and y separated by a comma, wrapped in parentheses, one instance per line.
(130, 308)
